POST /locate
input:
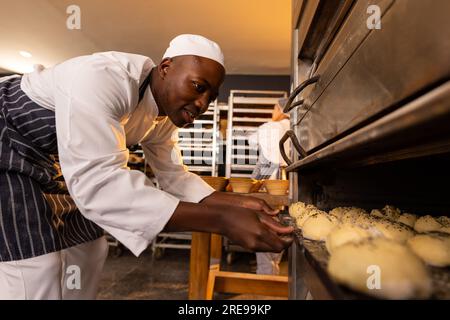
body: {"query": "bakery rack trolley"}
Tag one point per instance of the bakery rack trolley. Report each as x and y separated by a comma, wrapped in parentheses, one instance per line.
(247, 110)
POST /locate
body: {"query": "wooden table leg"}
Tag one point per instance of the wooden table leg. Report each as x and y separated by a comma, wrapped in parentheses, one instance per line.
(213, 270)
(216, 249)
(199, 265)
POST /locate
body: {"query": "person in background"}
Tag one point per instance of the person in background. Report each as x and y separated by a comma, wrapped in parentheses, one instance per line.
(269, 166)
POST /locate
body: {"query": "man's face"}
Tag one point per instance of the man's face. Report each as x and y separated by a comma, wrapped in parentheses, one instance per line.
(189, 85)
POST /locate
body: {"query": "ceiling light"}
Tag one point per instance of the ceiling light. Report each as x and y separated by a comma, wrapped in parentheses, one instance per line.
(25, 54)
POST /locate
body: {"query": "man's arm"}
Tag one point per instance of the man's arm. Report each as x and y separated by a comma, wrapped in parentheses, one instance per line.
(244, 220)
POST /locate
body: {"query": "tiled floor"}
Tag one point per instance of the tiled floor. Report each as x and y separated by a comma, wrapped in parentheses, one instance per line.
(128, 277)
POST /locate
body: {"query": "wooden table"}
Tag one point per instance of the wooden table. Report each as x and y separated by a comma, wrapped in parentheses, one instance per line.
(205, 275)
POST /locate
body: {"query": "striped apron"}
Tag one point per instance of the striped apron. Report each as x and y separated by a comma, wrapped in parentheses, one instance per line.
(264, 168)
(37, 215)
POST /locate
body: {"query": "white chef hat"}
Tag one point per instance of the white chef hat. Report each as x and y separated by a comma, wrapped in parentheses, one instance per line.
(192, 44)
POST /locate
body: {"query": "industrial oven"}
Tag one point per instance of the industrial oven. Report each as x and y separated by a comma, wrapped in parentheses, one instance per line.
(370, 118)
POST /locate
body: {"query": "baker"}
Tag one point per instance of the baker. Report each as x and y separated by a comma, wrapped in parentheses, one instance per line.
(84, 113)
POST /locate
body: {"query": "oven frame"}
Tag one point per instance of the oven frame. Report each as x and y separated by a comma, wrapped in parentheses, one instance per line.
(377, 143)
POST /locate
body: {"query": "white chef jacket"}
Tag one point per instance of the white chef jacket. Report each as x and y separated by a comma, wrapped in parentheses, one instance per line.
(95, 99)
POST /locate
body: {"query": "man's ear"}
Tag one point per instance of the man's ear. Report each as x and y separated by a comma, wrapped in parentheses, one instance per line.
(163, 67)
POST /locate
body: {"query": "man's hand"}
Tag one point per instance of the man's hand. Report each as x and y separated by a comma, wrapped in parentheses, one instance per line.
(257, 232)
(269, 227)
(250, 228)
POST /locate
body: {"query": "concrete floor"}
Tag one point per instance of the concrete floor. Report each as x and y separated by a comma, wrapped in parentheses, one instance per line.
(166, 278)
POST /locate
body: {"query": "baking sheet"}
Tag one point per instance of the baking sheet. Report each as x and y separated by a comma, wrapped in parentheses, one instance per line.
(318, 256)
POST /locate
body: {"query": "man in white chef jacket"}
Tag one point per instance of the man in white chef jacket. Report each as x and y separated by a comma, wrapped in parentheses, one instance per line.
(94, 108)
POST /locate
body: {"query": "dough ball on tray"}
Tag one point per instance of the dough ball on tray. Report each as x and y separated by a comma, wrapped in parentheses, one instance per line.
(408, 219)
(391, 212)
(377, 213)
(345, 233)
(433, 248)
(353, 214)
(429, 224)
(339, 212)
(295, 208)
(318, 225)
(393, 230)
(388, 212)
(300, 211)
(381, 268)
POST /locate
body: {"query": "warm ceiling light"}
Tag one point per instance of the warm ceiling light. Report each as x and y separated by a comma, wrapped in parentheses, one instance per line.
(25, 54)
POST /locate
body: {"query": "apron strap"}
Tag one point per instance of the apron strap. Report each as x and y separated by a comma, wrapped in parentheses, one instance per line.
(144, 86)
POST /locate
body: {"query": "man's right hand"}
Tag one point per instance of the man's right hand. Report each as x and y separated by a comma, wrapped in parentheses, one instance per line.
(253, 230)
(256, 231)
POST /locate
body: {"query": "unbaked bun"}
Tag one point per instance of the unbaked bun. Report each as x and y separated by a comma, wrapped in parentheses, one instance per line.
(433, 248)
(391, 212)
(388, 212)
(402, 275)
(301, 211)
(377, 213)
(429, 224)
(345, 233)
(339, 212)
(295, 208)
(318, 226)
(408, 219)
(353, 214)
(445, 222)
(393, 230)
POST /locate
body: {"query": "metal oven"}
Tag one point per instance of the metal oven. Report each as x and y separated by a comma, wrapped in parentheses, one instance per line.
(370, 118)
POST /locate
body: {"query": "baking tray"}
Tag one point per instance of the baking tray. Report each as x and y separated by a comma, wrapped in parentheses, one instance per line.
(316, 256)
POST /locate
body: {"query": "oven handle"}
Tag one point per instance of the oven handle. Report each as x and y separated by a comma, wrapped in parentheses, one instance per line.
(289, 106)
(291, 134)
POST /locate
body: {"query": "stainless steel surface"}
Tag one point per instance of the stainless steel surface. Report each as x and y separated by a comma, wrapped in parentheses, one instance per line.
(410, 53)
(403, 127)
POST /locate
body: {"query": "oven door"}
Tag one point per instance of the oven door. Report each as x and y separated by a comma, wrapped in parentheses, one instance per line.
(366, 73)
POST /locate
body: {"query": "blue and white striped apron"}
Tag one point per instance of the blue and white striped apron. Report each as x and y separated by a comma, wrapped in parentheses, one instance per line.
(264, 168)
(37, 216)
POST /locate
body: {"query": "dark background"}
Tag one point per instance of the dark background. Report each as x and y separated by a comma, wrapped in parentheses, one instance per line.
(252, 82)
